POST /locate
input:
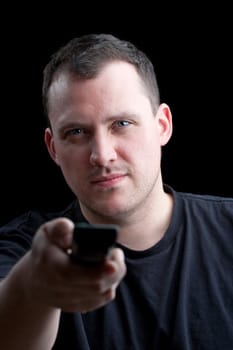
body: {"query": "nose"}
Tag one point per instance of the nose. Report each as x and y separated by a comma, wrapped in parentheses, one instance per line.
(102, 150)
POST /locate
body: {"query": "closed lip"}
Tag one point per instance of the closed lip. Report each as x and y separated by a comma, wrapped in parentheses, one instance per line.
(107, 178)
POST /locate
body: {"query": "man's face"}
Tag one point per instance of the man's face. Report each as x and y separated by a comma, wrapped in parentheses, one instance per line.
(107, 141)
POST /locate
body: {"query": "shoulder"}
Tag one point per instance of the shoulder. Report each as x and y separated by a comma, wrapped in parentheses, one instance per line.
(200, 200)
(207, 203)
(28, 222)
(206, 212)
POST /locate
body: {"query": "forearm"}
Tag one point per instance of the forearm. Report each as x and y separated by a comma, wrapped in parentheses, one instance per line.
(24, 324)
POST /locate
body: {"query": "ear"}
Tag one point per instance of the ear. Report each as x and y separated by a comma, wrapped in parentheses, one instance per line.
(49, 141)
(164, 118)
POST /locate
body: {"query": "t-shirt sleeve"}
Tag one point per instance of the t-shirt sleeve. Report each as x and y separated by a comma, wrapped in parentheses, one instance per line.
(16, 239)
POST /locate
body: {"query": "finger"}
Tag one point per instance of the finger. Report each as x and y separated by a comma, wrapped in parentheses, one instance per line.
(117, 254)
(114, 270)
(59, 232)
(115, 260)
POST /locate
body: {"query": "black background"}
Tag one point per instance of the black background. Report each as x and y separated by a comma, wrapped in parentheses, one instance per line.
(191, 48)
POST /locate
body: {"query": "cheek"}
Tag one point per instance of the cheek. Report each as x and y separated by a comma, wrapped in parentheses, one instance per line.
(147, 145)
(149, 153)
(144, 157)
(70, 159)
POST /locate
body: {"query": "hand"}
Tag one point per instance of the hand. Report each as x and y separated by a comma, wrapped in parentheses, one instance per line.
(55, 281)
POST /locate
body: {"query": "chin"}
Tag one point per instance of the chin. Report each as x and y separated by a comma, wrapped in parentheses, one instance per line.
(107, 206)
(111, 210)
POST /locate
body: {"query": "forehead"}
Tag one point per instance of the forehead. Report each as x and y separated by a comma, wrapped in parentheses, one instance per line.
(112, 74)
(117, 84)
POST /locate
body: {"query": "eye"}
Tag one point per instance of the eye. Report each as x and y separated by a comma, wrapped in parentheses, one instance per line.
(76, 131)
(122, 123)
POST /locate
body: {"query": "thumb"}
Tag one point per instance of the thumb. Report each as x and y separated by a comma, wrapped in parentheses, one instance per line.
(59, 232)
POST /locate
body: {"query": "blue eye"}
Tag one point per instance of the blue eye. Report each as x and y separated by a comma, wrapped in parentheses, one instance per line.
(122, 123)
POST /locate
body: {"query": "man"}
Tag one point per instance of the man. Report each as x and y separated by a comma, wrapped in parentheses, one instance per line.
(168, 282)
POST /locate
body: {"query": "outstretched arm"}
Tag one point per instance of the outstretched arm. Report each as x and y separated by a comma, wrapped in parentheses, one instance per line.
(45, 281)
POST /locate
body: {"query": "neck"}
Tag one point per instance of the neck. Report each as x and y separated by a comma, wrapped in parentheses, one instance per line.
(149, 227)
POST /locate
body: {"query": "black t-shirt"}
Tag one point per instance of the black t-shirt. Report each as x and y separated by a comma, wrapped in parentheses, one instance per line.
(177, 295)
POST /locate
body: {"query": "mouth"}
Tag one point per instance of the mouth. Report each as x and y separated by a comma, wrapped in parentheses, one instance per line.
(108, 181)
